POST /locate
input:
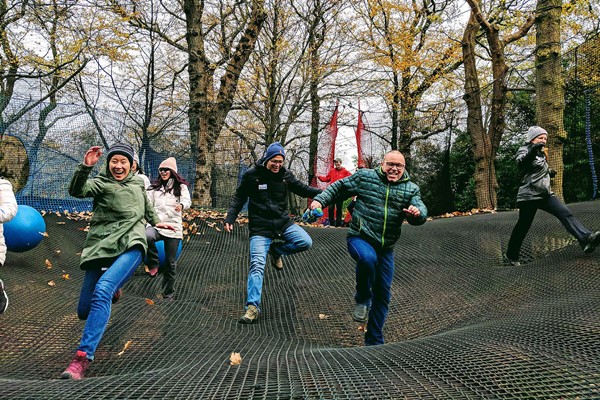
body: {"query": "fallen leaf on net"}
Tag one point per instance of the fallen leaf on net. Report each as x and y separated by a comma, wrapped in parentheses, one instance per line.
(44, 234)
(323, 316)
(362, 328)
(149, 302)
(127, 344)
(48, 264)
(61, 223)
(235, 359)
(66, 277)
(51, 283)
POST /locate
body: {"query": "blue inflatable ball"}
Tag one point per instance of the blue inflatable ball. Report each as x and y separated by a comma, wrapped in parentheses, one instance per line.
(25, 231)
(162, 259)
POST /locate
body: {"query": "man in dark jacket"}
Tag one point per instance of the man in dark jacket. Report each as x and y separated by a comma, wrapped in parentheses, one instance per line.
(535, 193)
(384, 198)
(266, 186)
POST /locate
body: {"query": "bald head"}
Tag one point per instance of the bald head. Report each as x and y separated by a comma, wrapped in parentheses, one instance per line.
(393, 165)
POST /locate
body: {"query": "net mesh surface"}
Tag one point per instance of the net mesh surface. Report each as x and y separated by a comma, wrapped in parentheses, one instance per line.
(461, 324)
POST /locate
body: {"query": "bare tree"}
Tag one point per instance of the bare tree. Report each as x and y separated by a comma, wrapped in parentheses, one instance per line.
(487, 141)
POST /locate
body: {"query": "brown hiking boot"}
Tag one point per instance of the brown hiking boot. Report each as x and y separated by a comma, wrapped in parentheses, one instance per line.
(76, 370)
(250, 316)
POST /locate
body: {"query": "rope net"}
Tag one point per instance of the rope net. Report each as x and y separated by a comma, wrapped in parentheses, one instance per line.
(461, 324)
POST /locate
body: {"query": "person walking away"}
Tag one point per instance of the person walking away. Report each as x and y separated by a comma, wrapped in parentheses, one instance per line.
(385, 197)
(266, 186)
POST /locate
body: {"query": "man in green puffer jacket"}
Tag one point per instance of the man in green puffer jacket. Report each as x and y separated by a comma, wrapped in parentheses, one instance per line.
(384, 198)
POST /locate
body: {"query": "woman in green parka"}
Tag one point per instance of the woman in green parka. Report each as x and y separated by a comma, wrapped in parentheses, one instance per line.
(115, 244)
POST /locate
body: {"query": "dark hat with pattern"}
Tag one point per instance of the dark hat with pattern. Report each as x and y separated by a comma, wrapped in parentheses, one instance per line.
(123, 149)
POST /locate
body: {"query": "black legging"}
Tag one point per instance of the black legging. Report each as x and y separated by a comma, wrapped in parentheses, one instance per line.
(552, 205)
(338, 215)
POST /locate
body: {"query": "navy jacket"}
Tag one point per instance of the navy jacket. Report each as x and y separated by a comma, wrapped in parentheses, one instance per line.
(268, 199)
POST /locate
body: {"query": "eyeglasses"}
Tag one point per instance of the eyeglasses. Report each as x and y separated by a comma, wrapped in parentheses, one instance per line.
(163, 170)
(394, 165)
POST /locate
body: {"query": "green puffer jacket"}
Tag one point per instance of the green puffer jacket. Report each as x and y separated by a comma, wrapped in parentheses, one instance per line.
(378, 214)
(118, 220)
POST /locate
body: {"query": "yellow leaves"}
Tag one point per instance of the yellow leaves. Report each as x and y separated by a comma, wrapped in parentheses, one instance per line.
(127, 344)
(66, 276)
(235, 358)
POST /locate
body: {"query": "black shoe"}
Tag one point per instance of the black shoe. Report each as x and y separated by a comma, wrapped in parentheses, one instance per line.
(3, 298)
(276, 260)
(510, 261)
(360, 313)
(593, 240)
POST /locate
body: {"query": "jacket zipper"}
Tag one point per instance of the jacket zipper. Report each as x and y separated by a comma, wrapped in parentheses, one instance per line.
(385, 212)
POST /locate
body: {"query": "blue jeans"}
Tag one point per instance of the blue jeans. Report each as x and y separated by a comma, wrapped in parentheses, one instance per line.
(295, 240)
(96, 296)
(374, 274)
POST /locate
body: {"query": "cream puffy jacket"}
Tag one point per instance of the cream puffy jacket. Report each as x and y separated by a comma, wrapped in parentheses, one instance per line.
(8, 209)
(165, 203)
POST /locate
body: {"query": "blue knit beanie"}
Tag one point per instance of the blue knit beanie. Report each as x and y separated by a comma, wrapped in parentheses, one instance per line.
(535, 131)
(274, 149)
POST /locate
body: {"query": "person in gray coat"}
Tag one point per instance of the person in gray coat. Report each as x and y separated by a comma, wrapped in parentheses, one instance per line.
(535, 193)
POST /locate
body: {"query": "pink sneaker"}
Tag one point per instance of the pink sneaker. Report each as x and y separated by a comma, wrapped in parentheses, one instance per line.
(76, 370)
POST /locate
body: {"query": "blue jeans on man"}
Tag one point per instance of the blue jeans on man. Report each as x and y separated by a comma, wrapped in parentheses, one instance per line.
(295, 240)
(374, 274)
(97, 291)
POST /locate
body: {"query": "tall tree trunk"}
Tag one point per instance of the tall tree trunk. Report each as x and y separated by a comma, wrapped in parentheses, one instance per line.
(482, 145)
(208, 109)
(549, 85)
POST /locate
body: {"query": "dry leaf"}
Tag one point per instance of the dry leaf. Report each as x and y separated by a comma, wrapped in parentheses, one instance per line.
(235, 359)
(362, 328)
(149, 302)
(51, 283)
(45, 234)
(61, 223)
(125, 348)
(57, 251)
(323, 316)
(66, 277)
(48, 264)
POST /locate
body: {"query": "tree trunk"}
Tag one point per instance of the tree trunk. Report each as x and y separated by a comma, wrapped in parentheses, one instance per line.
(549, 85)
(484, 189)
(208, 109)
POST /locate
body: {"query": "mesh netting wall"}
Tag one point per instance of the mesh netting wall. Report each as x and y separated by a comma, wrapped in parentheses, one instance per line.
(461, 324)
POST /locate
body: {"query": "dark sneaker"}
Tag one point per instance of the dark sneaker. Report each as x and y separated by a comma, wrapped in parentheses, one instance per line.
(153, 272)
(76, 370)
(593, 240)
(3, 298)
(250, 316)
(276, 260)
(117, 296)
(360, 313)
(510, 261)
(169, 297)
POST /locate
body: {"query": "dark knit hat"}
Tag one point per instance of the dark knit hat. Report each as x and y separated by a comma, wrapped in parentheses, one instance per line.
(274, 149)
(535, 131)
(123, 149)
